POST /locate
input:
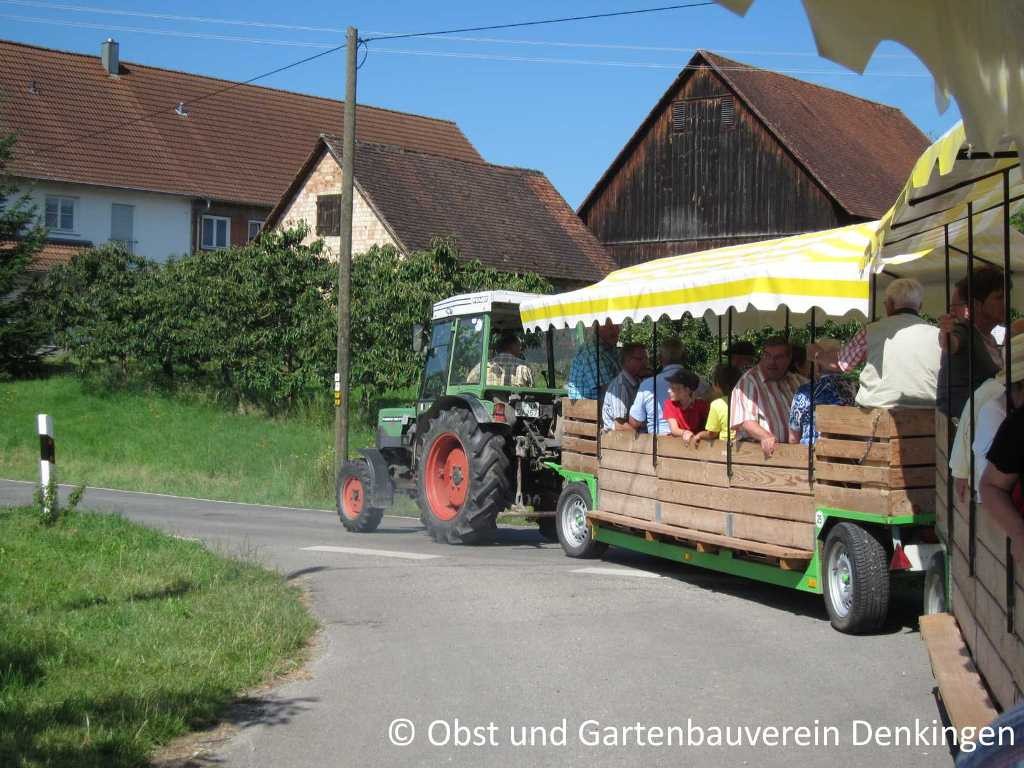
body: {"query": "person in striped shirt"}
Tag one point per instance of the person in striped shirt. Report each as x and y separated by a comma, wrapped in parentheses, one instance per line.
(762, 397)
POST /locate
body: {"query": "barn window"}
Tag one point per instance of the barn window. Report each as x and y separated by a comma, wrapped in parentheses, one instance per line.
(688, 114)
(678, 116)
(328, 215)
(728, 112)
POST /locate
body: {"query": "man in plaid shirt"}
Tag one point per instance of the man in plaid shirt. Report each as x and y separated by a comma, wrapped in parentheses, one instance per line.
(583, 375)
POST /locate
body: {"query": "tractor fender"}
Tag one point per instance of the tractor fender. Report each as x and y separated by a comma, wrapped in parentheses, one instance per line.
(466, 401)
(382, 487)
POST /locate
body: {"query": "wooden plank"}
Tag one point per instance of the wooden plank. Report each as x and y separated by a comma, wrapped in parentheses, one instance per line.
(743, 452)
(630, 506)
(872, 422)
(726, 542)
(1008, 646)
(580, 428)
(574, 444)
(627, 440)
(942, 429)
(783, 532)
(781, 479)
(993, 670)
(878, 501)
(581, 410)
(966, 584)
(883, 477)
(577, 462)
(628, 483)
(918, 451)
(696, 518)
(639, 463)
(966, 700)
(783, 506)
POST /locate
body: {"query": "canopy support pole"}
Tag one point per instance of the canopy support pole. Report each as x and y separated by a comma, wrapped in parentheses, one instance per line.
(720, 352)
(972, 519)
(1008, 345)
(874, 296)
(950, 500)
(728, 415)
(597, 378)
(810, 442)
(787, 324)
(654, 383)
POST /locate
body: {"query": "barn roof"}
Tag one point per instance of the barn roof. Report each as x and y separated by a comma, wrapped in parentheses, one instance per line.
(511, 219)
(860, 151)
(76, 123)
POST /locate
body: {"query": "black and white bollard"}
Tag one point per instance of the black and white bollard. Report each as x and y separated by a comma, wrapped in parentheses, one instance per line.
(47, 461)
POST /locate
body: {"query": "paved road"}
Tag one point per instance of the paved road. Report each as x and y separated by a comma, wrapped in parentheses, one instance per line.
(516, 634)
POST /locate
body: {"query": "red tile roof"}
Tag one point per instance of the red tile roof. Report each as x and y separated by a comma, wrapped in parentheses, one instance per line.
(860, 151)
(244, 145)
(511, 219)
(53, 253)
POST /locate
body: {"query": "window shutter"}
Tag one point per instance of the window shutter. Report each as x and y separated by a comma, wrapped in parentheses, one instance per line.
(728, 112)
(328, 215)
(679, 115)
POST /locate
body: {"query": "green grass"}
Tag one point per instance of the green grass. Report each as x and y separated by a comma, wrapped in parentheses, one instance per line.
(156, 442)
(115, 638)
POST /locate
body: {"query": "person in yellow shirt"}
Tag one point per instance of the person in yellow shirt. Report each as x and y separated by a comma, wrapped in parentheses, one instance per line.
(723, 380)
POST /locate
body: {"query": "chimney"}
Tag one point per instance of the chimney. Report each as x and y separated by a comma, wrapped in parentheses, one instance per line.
(109, 56)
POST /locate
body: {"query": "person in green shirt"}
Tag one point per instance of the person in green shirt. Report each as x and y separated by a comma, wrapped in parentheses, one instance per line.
(723, 380)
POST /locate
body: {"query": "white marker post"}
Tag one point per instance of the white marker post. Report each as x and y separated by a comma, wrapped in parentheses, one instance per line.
(47, 461)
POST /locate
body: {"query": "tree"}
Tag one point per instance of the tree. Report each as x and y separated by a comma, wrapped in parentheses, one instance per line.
(23, 326)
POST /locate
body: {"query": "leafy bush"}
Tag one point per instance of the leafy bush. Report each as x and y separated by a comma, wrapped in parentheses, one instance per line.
(257, 323)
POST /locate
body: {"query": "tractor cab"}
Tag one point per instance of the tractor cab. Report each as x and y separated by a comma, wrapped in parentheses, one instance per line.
(478, 347)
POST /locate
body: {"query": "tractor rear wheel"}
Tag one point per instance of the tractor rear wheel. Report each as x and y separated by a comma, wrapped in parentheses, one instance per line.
(465, 479)
(355, 485)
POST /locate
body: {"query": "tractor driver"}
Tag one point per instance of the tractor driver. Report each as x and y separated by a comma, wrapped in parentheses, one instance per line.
(506, 368)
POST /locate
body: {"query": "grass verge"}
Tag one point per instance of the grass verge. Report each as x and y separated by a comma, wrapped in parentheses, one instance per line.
(155, 442)
(115, 638)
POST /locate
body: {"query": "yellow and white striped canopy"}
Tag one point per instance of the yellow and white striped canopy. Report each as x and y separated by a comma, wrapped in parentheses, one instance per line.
(818, 269)
(936, 197)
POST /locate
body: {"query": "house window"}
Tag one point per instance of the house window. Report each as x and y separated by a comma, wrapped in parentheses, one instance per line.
(60, 213)
(328, 215)
(216, 232)
(122, 226)
(254, 229)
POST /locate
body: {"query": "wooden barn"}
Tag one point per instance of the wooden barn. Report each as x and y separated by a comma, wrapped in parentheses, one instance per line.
(733, 154)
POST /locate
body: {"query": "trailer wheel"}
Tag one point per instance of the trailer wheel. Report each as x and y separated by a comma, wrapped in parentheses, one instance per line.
(352, 497)
(935, 585)
(856, 579)
(574, 533)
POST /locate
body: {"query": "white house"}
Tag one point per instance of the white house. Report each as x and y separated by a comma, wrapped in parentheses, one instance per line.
(115, 151)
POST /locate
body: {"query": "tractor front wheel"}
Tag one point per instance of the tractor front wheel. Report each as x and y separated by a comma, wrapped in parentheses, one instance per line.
(355, 485)
(465, 479)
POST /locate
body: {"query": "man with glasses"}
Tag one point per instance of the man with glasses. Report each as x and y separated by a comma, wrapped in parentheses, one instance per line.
(762, 397)
(622, 389)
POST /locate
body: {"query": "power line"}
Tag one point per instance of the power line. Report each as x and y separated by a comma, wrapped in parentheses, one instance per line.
(380, 34)
(166, 32)
(190, 102)
(632, 64)
(538, 22)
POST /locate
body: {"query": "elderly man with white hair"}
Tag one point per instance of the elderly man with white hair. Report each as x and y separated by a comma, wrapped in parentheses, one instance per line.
(900, 353)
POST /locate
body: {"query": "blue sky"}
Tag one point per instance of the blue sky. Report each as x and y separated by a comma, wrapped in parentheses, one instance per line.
(568, 114)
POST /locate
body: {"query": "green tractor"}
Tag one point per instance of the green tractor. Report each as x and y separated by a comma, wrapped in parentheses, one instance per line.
(477, 441)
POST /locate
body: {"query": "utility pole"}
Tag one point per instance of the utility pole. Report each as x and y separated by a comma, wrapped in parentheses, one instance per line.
(345, 254)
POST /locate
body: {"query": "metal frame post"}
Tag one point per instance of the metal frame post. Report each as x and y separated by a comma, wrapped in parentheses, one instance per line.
(972, 518)
(597, 379)
(728, 415)
(810, 442)
(950, 437)
(1008, 347)
(654, 388)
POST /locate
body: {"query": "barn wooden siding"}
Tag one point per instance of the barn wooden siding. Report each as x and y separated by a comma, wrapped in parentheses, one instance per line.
(707, 186)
